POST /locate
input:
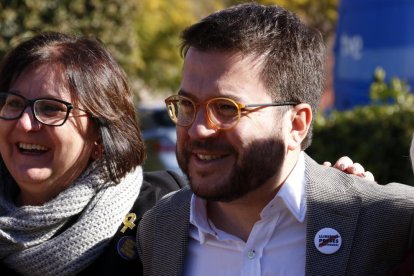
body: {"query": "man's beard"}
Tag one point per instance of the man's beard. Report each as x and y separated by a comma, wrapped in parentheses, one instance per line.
(258, 163)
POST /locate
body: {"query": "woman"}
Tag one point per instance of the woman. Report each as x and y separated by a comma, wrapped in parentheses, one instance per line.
(70, 156)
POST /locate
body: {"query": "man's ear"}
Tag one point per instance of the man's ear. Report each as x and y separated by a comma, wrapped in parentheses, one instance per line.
(301, 118)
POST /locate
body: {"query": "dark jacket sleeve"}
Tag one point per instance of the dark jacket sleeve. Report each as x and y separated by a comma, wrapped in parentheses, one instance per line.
(120, 256)
(155, 186)
(405, 268)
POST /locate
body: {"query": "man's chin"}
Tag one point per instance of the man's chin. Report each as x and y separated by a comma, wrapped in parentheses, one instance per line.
(213, 191)
(211, 196)
(205, 187)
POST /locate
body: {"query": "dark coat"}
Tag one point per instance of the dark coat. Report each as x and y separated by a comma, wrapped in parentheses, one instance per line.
(120, 257)
(406, 268)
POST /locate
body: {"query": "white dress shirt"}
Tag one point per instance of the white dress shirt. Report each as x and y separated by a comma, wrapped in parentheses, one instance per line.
(276, 244)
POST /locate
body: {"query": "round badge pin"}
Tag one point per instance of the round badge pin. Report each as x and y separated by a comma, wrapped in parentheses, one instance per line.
(328, 241)
(126, 248)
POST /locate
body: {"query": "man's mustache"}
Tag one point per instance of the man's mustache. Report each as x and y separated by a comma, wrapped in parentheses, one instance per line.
(208, 145)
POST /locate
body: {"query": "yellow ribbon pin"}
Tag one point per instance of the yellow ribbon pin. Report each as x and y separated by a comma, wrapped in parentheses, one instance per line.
(129, 222)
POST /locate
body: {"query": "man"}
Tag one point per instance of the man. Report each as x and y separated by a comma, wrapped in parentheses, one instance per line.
(258, 205)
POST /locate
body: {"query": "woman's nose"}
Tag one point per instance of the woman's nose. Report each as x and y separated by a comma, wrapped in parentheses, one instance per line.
(27, 121)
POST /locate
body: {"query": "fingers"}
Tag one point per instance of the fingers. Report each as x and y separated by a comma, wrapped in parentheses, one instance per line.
(327, 163)
(356, 169)
(368, 175)
(343, 163)
(346, 165)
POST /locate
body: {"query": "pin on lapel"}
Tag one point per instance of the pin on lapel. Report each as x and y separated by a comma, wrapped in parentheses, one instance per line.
(328, 240)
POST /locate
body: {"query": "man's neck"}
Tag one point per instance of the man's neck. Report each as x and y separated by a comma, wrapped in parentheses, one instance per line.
(239, 216)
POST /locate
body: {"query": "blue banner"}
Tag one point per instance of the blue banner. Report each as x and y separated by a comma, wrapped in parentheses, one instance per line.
(371, 34)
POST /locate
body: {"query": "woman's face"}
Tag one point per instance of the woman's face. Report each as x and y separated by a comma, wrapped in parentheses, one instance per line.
(44, 160)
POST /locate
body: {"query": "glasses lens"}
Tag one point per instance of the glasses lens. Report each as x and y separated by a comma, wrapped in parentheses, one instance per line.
(181, 110)
(11, 106)
(50, 112)
(224, 113)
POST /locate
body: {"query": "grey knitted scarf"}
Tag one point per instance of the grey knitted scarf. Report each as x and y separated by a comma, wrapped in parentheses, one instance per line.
(28, 240)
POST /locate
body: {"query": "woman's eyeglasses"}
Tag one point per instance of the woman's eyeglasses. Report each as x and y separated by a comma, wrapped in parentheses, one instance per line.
(48, 111)
(222, 113)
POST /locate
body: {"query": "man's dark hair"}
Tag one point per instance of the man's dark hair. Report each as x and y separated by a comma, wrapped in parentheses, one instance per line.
(292, 53)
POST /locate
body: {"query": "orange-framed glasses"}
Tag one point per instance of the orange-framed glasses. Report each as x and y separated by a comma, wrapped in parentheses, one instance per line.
(222, 113)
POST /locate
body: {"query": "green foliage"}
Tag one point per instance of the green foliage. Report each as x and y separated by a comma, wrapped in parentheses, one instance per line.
(107, 20)
(378, 135)
(397, 90)
(158, 24)
(143, 35)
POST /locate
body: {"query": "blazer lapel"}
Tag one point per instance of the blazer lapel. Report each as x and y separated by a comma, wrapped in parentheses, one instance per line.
(171, 239)
(329, 205)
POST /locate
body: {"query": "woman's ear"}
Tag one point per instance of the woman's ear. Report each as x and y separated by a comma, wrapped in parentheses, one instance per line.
(301, 118)
(97, 151)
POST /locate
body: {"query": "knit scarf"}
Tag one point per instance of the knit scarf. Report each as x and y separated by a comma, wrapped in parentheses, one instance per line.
(30, 242)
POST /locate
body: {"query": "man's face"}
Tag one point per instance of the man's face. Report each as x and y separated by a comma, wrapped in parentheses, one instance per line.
(226, 165)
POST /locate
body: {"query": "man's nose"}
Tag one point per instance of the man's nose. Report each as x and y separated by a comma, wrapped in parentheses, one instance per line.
(201, 127)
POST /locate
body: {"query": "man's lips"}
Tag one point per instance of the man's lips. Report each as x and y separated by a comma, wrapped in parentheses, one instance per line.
(209, 150)
(209, 157)
(209, 147)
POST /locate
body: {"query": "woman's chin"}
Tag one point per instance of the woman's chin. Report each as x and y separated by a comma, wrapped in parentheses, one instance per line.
(32, 175)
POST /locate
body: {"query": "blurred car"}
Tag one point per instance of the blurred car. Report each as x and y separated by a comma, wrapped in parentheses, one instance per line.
(160, 137)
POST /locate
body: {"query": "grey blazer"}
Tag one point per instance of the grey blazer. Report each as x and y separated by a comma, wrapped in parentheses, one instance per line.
(374, 221)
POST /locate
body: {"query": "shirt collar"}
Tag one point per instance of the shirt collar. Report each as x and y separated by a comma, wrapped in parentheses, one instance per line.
(198, 217)
(293, 191)
(292, 194)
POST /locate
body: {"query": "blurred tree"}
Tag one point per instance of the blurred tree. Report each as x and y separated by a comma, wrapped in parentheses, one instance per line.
(396, 91)
(107, 20)
(158, 24)
(143, 35)
(377, 135)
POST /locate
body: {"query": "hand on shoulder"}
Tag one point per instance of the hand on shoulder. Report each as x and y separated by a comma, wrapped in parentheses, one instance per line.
(346, 165)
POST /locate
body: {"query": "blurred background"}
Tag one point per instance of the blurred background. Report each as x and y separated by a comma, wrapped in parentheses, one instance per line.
(366, 110)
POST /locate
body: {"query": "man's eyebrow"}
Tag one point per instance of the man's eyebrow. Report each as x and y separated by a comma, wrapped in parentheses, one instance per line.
(236, 98)
(182, 92)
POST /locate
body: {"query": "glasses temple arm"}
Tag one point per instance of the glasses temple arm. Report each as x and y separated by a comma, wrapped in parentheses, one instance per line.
(270, 104)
